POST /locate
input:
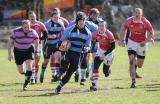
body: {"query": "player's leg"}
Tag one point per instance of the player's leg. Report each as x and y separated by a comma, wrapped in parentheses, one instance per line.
(35, 65)
(21, 69)
(132, 53)
(88, 65)
(141, 56)
(35, 68)
(84, 68)
(132, 63)
(56, 61)
(74, 61)
(107, 63)
(78, 71)
(28, 73)
(19, 59)
(46, 56)
(94, 79)
(28, 58)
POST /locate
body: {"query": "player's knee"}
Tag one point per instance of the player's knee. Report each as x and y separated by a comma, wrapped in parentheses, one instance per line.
(131, 61)
(139, 65)
(45, 62)
(106, 71)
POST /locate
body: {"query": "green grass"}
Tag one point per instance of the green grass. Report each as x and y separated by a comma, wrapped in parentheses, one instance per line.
(115, 90)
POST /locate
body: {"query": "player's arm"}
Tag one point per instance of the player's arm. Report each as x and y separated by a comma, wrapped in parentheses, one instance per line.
(150, 33)
(150, 37)
(66, 32)
(112, 47)
(10, 44)
(93, 27)
(122, 36)
(44, 32)
(87, 46)
(36, 43)
(44, 36)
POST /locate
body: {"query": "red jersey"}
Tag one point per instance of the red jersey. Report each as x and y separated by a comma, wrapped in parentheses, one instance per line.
(104, 40)
(39, 27)
(138, 29)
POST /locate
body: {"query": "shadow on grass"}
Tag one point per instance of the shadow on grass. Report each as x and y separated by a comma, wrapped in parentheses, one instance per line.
(151, 87)
(120, 88)
(64, 93)
(10, 84)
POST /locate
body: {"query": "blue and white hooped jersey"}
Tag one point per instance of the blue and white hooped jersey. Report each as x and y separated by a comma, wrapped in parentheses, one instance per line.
(78, 37)
(55, 31)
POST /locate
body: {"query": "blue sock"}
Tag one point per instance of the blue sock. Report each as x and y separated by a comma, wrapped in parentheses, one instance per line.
(83, 74)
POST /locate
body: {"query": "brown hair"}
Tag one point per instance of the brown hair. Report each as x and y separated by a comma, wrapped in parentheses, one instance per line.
(94, 10)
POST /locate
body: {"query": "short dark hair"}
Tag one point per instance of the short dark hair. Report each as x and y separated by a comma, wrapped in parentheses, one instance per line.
(54, 13)
(80, 16)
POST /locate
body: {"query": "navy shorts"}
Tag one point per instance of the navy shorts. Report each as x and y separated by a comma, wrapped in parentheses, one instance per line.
(48, 50)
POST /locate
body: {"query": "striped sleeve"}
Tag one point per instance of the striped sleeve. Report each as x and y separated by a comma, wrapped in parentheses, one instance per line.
(12, 35)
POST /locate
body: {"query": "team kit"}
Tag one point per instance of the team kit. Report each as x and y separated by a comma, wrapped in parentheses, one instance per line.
(77, 47)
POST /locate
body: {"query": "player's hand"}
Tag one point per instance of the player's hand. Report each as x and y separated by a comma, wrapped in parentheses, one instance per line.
(102, 57)
(86, 49)
(10, 57)
(36, 55)
(143, 43)
(65, 46)
(152, 41)
(122, 43)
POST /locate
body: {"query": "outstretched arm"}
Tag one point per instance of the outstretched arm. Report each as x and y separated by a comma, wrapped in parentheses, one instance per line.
(10, 45)
(122, 36)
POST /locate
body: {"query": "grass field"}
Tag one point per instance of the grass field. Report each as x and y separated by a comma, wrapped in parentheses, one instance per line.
(115, 90)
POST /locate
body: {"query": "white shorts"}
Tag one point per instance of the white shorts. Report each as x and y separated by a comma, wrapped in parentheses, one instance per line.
(40, 52)
(108, 59)
(135, 46)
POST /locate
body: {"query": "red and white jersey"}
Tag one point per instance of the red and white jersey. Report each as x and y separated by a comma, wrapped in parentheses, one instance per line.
(138, 29)
(39, 27)
(104, 40)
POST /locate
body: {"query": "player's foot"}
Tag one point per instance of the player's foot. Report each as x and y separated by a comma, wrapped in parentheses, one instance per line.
(76, 77)
(55, 78)
(93, 88)
(33, 80)
(87, 74)
(82, 81)
(138, 76)
(133, 85)
(58, 90)
(25, 86)
(41, 77)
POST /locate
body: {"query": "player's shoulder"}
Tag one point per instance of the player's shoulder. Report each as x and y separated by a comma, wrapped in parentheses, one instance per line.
(64, 19)
(33, 31)
(60, 22)
(88, 31)
(95, 34)
(17, 29)
(70, 28)
(47, 22)
(130, 18)
(109, 33)
(40, 23)
(145, 20)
